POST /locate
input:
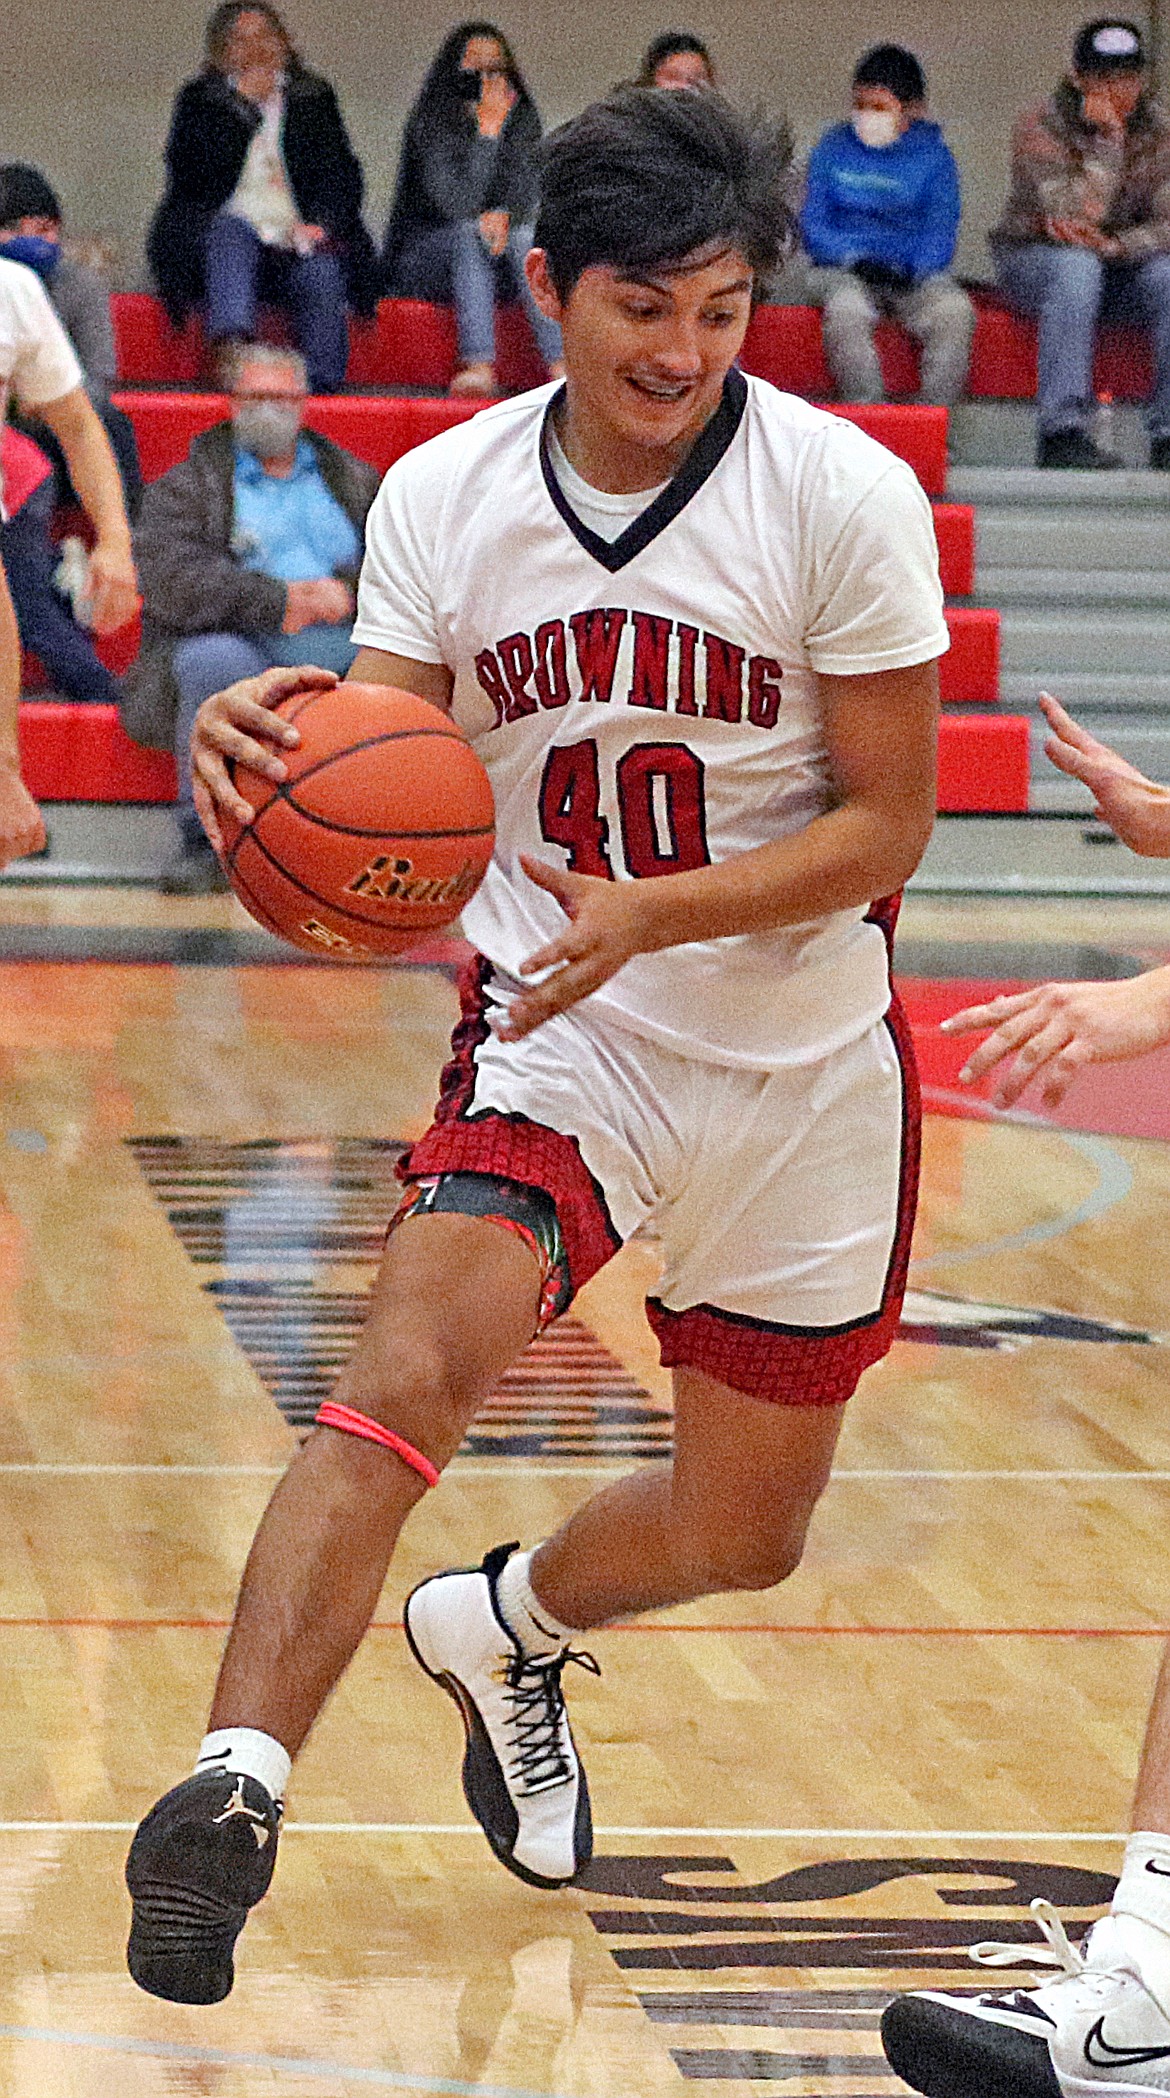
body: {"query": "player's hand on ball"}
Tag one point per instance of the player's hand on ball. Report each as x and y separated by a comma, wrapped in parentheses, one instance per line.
(237, 727)
(1054, 1030)
(606, 924)
(1137, 808)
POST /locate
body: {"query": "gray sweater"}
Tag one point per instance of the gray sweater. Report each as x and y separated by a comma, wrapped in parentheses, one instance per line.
(82, 302)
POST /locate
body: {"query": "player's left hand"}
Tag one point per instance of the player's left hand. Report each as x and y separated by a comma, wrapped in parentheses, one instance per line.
(1055, 1029)
(112, 589)
(606, 926)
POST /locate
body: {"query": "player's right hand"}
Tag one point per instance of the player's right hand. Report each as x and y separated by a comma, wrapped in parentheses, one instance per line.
(21, 828)
(1137, 808)
(1055, 1029)
(237, 727)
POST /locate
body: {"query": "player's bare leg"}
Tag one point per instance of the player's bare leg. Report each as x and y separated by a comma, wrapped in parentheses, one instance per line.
(730, 1512)
(1104, 2022)
(425, 1360)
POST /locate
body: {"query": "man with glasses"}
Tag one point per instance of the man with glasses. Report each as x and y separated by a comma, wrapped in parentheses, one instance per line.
(248, 551)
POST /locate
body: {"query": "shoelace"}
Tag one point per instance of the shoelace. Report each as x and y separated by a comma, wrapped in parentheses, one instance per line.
(538, 1706)
(1055, 1952)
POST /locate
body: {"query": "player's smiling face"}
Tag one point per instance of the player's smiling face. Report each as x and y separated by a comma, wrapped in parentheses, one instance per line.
(646, 354)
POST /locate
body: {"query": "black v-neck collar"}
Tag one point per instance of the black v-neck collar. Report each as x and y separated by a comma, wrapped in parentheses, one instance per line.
(695, 471)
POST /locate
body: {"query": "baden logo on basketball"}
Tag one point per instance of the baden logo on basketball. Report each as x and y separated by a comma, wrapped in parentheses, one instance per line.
(336, 942)
(390, 880)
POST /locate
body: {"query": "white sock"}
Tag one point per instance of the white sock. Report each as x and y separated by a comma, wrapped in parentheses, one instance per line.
(1141, 1911)
(246, 1752)
(523, 1612)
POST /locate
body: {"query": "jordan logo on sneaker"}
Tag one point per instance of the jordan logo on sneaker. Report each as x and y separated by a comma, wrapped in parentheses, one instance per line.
(237, 1805)
(1108, 2057)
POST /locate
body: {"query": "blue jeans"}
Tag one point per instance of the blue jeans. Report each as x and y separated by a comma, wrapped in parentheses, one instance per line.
(1069, 291)
(240, 271)
(44, 618)
(451, 265)
(207, 663)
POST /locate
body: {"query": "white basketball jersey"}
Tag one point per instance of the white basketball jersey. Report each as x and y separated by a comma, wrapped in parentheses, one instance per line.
(649, 704)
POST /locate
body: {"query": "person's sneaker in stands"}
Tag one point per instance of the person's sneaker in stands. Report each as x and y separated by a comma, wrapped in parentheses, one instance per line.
(1073, 448)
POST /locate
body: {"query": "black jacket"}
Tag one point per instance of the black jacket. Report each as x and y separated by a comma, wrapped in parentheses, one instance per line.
(433, 175)
(192, 580)
(211, 130)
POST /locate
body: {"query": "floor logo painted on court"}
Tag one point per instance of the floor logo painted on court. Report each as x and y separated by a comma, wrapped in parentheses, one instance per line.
(700, 1942)
(288, 1234)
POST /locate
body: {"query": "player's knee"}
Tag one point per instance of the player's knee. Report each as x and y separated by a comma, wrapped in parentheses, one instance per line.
(416, 1390)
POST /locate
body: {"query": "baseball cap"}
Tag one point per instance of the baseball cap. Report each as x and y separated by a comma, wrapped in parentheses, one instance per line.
(1109, 45)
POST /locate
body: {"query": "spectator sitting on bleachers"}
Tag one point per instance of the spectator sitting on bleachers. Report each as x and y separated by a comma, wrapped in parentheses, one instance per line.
(264, 196)
(43, 612)
(249, 551)
(1085, 235)
(30, 232)
(879, 223)
(461, 223)
(676, 59)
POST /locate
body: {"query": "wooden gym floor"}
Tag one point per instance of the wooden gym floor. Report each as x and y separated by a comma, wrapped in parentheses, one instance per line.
(806, 1800)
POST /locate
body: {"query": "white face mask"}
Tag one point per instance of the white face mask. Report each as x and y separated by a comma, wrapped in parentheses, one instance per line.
(876, 127)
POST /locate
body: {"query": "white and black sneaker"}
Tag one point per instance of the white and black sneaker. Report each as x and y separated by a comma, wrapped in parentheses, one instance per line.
(1094, 2027)
(522, 1777)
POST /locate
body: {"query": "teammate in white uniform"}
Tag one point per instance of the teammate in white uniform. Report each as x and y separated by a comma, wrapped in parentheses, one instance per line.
(690, 624)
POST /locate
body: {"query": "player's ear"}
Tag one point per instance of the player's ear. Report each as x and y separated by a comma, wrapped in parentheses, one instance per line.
(541, 285)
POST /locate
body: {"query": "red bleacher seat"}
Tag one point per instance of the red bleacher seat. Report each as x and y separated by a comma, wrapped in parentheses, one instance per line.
(77, 753)
(954, 529)
(983, 763)
(969, 672)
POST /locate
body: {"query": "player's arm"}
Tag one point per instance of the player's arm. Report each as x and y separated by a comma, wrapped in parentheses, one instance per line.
(93, 471)
(1052, 1031)
(881, 731)
(21, 829)
(238, 726)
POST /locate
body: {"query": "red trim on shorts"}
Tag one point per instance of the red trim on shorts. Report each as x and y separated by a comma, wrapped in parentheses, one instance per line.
(802, 1366)
(510, 1146)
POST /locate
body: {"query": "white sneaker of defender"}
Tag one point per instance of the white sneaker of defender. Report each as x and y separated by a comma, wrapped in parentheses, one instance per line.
(522, 1777)
(1104, 2029)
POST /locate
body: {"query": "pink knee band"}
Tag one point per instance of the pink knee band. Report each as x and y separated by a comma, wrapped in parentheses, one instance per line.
(351, 1422)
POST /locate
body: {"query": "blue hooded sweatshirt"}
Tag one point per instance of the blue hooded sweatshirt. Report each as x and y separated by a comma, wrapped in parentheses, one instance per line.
(897, 205)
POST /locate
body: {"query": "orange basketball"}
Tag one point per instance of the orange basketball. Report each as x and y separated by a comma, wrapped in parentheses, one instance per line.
(379, 835)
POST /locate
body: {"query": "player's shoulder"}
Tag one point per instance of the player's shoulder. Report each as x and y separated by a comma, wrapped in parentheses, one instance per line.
(830, 445)
(21, 289)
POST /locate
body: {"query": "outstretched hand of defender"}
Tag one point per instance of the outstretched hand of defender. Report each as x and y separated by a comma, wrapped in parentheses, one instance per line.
(238, 727)
(1137, 808)
(1055, 1029)
(606, 926)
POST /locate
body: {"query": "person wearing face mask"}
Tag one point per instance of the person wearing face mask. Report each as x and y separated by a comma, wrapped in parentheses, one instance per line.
(248, 552)
(879, 223)
(264, 196)
(461, 223)
(1085, 235)
(31, 233)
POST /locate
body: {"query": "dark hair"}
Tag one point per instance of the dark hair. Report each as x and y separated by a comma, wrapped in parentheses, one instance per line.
(223, 21)
(439, 96)
(25, 194)
(1109, 45)
(890, 66)
(648, 176)
(668, 45)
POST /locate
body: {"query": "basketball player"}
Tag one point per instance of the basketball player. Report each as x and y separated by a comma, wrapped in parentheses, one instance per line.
(690, 624)
(1104, 2023)
(21, 828)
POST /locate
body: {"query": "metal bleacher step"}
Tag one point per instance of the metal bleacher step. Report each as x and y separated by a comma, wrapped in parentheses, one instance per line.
(1090, 692)
(995, 434)
(1077, 541)
(1000, 486)
(1047, 640)
(1061, 587)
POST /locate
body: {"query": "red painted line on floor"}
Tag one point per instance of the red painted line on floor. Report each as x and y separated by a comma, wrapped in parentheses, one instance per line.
(778, 1631)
